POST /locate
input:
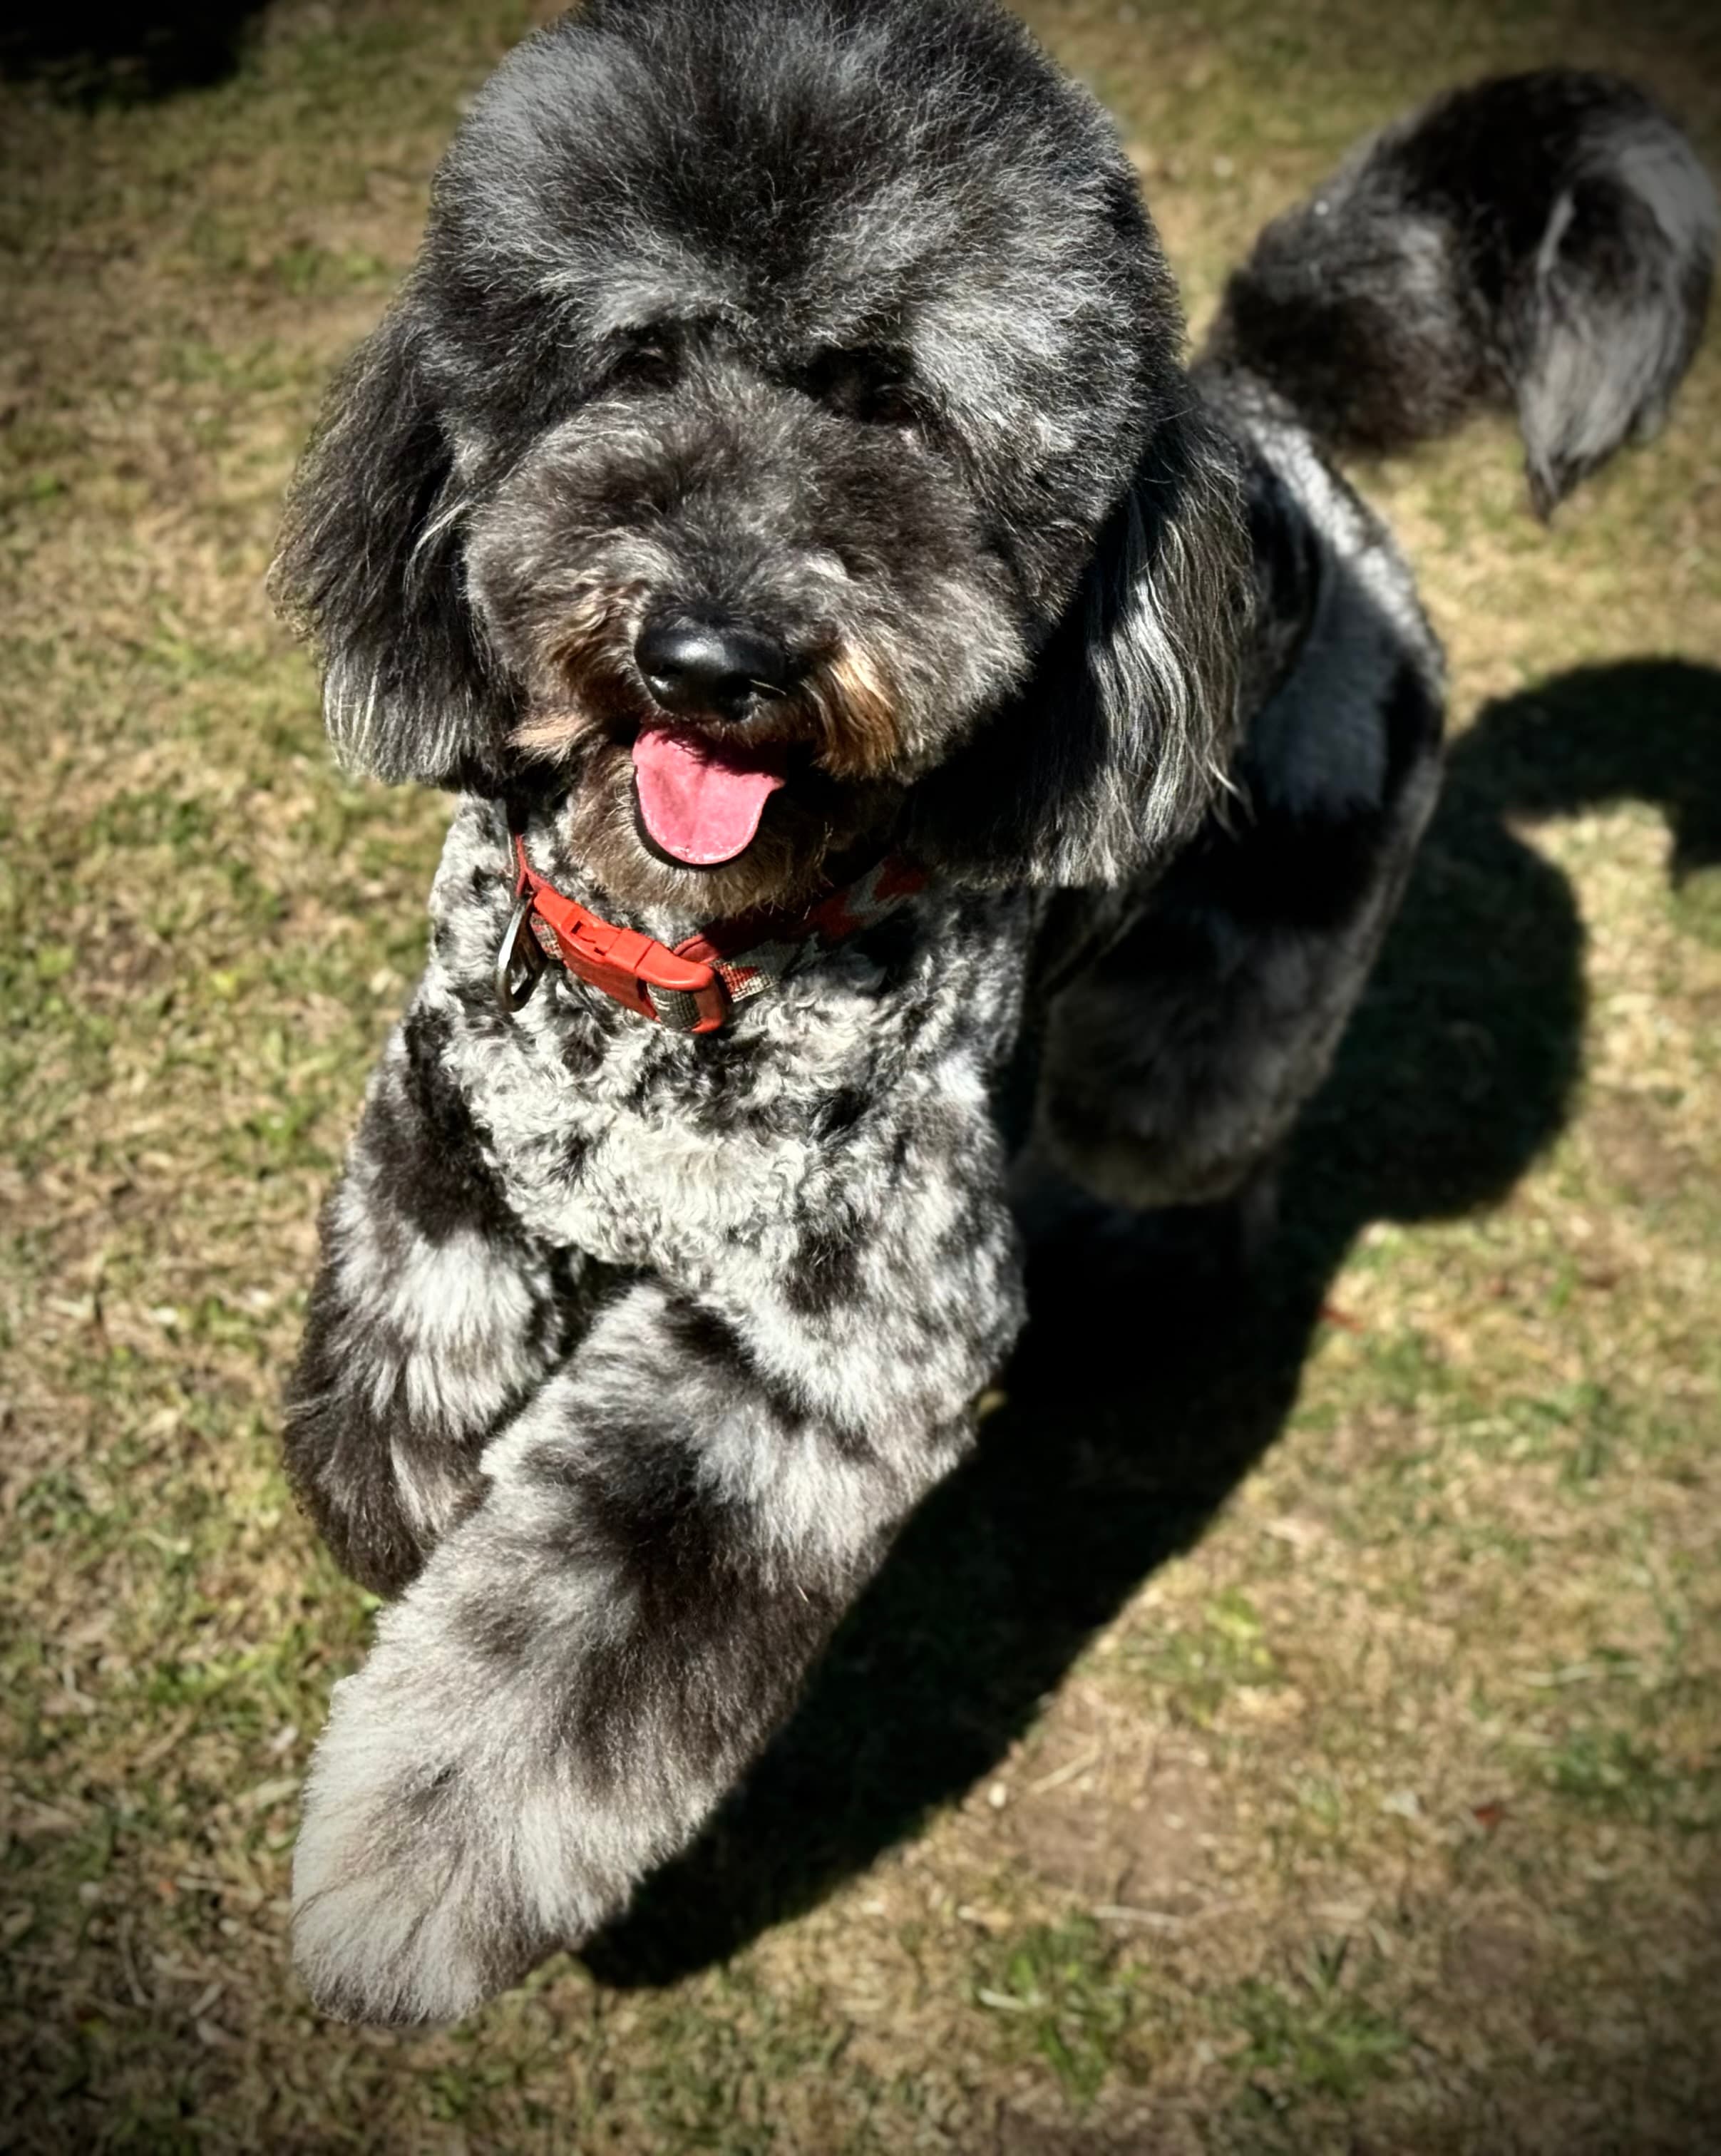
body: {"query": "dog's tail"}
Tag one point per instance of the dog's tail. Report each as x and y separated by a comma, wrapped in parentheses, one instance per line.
(1545, 240)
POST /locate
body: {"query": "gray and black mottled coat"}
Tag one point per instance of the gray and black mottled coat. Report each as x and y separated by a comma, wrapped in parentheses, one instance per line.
(843, 319)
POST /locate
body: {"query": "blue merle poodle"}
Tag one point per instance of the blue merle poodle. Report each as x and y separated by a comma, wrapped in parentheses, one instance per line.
(883, 685)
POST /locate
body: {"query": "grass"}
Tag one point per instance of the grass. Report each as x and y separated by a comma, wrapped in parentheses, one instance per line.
(1070, 2003)
(1300, 1732)
(1313, 2034)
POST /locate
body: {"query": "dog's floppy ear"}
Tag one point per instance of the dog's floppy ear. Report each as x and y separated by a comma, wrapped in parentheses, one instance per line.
(1120, 742)
(370, 567)
(1165, 606)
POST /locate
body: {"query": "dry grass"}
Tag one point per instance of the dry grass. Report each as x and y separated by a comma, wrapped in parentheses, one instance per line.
(1308, 1739)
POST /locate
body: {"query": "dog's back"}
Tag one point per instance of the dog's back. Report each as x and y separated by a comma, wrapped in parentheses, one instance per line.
(1543, 241)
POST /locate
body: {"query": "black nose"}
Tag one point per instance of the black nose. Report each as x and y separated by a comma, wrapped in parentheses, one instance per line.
(701, 665)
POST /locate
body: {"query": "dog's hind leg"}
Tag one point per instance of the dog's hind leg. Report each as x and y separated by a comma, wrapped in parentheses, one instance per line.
(431, 1320)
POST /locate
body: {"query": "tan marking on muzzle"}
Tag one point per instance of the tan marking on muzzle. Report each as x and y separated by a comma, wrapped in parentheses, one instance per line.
(586, 659)
(853, 699)
(551, 733)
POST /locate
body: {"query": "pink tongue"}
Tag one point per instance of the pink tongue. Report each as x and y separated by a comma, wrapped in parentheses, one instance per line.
(700, 802)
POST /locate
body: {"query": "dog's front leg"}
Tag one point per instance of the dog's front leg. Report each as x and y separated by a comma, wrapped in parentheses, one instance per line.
(432, 1320)
(670, 1533)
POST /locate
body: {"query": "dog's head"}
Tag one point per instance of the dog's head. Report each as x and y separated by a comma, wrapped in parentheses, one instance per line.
(781, 445)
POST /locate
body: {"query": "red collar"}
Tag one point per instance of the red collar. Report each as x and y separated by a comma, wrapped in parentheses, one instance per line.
(694, 987)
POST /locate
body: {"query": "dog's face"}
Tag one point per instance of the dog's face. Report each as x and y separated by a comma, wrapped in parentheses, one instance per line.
(773, 376)
(748, 600)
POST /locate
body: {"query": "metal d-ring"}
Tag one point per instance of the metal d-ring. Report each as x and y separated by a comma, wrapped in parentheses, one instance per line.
(520, 962)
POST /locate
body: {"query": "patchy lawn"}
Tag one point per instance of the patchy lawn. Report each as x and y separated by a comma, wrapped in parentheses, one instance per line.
(1300, 1729)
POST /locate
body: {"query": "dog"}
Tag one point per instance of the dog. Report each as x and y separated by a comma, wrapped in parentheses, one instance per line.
(883, 684)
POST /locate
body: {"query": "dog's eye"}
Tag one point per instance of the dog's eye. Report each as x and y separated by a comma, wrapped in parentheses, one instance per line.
(872, 385)
(645, 362)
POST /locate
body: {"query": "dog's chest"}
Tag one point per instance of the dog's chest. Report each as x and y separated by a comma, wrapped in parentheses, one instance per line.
(693, 1157)
(680, 1202)
(650, 1151)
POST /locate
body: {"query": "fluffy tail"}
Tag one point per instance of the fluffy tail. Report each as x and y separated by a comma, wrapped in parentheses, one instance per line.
(1547, 240)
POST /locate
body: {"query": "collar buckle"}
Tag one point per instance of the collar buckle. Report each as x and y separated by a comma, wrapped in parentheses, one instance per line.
(684, 995)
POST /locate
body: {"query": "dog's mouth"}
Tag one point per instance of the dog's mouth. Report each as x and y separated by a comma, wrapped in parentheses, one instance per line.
(721, 810)
(699, 800)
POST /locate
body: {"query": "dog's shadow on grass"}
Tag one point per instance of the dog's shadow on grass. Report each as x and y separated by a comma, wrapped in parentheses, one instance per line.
(1131, 1411)
(125, 52)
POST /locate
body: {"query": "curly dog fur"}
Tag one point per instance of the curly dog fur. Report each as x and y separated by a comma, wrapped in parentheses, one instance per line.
(835, 333)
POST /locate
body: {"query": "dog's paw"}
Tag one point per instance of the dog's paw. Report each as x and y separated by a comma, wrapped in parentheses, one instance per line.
(439, 1853)
(392, 1942)
(401, 1909)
